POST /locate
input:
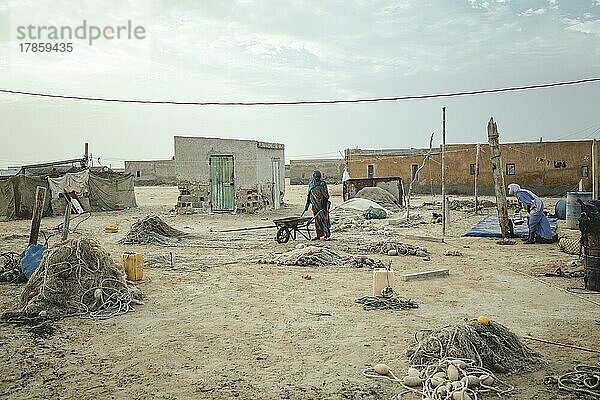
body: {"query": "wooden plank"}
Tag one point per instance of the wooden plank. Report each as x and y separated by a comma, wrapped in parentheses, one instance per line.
(426, 275)
(498, 174)
(38, 210)
(426, 238)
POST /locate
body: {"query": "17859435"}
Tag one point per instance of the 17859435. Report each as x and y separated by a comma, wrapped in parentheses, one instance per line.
(46, 47)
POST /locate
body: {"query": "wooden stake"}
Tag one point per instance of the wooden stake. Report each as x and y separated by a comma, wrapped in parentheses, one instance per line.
(594, 171)
(498, 174)
(65, 230)
(476, 175)
(38, 210)
(444, 213)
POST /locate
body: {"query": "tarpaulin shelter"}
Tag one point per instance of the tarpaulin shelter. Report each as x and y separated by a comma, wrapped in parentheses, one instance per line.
(17, 196)
(104, 189)
(70, 182)
(108, 189)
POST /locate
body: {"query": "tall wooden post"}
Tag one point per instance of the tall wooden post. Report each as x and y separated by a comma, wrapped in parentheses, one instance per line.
(498, 174)
(38, 210)
(476, 175)
(594, 171)
(65, 230)
(444, 208)
(86, 154)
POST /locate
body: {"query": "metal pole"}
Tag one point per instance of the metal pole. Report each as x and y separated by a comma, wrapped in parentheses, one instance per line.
(476, 175)
(444, 208)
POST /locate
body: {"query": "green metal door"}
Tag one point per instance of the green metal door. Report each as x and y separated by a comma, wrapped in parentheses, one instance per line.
(221, 183)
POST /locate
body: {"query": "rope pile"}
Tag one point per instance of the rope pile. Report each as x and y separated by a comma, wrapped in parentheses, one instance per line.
(490, 344)
(152, 230)
(11, 268)
(392, 303)
(395, 248)
(585, 379)
(78, 277)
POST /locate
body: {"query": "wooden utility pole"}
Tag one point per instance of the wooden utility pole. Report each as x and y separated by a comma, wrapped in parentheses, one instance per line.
(498, 174)
(594, 171)
(444, 208)
(86, 154)
(65, 230)
(38, 210)
(476, 175)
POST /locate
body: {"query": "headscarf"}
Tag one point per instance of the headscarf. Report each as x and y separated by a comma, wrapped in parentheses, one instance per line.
(316, 180)
(513, 188)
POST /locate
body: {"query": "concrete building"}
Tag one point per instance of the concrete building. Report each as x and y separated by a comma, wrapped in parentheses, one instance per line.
(229, 175)
(546, 168)
(331, 169)
(152, 172)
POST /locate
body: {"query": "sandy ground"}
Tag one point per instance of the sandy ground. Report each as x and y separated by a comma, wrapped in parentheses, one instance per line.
(220, 325)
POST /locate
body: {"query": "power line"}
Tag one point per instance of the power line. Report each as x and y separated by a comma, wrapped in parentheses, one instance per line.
(301, 102)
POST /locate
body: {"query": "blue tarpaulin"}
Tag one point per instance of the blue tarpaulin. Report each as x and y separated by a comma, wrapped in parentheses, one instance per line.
(31, 258)
(490, 227)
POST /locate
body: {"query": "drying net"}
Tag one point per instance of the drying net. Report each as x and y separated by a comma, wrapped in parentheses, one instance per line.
(403, 249)
(152, 230)
(317, 256)
(78, 277)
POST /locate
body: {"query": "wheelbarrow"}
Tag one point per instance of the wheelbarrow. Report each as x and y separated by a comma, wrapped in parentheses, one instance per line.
(290, 227)
(287, 228)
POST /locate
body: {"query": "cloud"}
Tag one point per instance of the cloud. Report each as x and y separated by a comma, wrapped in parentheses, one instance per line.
(531, 12)
(591, 27)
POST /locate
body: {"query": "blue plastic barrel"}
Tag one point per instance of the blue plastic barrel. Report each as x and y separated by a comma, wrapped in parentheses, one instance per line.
(560, 209)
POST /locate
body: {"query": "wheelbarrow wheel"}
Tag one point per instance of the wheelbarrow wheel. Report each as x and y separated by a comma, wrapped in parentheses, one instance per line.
(283, 235)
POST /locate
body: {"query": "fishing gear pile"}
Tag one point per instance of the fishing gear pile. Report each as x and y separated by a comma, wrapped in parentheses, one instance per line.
(78, 277)
(489, 344)
(395, 248)
(10, 269)
(317, 256)
(152, 230)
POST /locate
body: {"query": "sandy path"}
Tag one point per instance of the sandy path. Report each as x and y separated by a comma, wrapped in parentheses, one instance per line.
(220, 325)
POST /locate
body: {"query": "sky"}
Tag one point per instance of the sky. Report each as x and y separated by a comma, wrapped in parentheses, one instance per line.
(275, 50)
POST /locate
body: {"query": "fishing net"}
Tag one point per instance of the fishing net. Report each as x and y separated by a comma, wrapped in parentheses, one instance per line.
(317, 256)
(152, 230)
(379, 196)
(397, 248)
(10, 268)
(79, 277)
(491, 345)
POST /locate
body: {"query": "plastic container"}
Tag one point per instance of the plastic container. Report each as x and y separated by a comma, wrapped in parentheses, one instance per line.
(574, 209)
(560, 209)
(133, 264)
(382, 278)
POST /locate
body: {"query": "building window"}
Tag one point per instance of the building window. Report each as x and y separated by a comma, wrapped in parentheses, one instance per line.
(414, 175)
(371, 170)
(583, 171)
(472, 169)
(138, 173)
(510, 169)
